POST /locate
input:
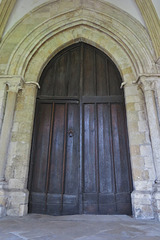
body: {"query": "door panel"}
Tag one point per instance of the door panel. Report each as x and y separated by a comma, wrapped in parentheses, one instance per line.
(105, 149)
(106, 187)
(57, 150)
(119, 148)
(102, 75)
(40, 156)
(80, 156)
(89, 149)
(89, 81)
(89, 160)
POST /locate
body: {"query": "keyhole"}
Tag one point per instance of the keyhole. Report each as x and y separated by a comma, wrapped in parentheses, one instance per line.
(70, 132)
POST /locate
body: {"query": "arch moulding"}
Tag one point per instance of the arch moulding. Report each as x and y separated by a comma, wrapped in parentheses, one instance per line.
(27, 49)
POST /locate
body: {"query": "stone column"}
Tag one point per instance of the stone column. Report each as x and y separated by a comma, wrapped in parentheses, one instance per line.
(157, 89)
(156, 187)
(17, 199)
(14, 84)
(150, 84)
(147, 83)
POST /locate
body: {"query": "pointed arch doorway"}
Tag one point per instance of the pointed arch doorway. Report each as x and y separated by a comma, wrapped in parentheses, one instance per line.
(80, 156)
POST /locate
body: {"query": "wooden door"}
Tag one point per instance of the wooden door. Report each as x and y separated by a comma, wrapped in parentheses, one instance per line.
(80, 156)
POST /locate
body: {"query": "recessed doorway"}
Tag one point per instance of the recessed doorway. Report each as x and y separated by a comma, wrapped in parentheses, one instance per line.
(80, 159)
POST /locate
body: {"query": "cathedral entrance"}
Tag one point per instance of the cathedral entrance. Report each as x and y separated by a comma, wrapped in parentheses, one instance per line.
(80, 156)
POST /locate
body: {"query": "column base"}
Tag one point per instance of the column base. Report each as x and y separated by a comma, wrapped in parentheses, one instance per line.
(142, 204)
(17, 202)
(13, 202)
(156, 200)
(3, 199)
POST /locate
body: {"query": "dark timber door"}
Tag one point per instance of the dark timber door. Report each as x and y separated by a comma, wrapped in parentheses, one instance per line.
(80, 157)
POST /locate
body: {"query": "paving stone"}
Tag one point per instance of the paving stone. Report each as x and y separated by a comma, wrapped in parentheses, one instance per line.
(77, 227)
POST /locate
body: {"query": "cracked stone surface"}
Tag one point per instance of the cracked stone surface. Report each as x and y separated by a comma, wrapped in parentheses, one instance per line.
(78, 227)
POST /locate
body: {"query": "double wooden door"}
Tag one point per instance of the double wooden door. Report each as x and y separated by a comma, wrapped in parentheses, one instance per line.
(80, 157)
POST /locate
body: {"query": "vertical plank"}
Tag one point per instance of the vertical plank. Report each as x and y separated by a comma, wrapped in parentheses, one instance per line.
(123, 198)
(47, 80)
(40, 155)
(97, 156)
(120, 150)
(101, 76)
(89, 81)
(89, 157)
(61, 75)
(104, 145)
(64, 154)
(56, 170)
(49, 155)
(74, 72)
(89, 149)
(70, 197)
(72, 153)
(81, 176)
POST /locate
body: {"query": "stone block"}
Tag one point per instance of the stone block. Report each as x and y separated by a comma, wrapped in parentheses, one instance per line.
(131, 91)
(137, 173)
(135, 150)
(142, 126)
(142, 116)
(130, 107)
(3, 211)
(132, 116)
(143, 185)
(23, 209)
(142, 205)
(148, 161)
(136, 138)
(132, 123)
(16, 183)
(146, 150)
(13, 212)
(17, 203)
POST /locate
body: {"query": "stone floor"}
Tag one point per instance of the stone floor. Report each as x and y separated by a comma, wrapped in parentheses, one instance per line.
(77, 227)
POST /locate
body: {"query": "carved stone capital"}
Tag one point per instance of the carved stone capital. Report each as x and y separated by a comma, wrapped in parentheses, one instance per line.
(14, 83)
(147, 82)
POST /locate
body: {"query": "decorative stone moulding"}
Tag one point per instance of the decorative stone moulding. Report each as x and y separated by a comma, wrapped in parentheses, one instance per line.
(98, 16)
(152, 22)
(6, 7)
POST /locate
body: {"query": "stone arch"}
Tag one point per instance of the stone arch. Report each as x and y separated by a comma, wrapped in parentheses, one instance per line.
(108, 22)
(100, 24)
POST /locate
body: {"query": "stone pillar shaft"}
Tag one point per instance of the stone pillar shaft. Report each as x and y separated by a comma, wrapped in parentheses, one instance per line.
(14, 85)
(157, 86)
(147, 85)
(6, 130)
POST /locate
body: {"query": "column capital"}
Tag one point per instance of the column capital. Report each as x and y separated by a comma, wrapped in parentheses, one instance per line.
(146, 84)
(14, 82)
(147, 81)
